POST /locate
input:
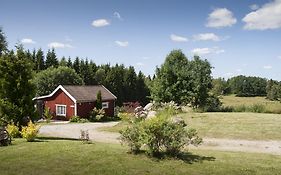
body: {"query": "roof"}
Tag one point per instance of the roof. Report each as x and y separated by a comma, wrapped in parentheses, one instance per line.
(82, 93)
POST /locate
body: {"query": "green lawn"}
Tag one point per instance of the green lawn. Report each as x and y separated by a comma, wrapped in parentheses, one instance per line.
(72, 157)
(270, 106)
(251, 126)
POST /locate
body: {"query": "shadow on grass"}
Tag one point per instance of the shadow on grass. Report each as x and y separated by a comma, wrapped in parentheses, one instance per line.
(56, 138)
(187, 157)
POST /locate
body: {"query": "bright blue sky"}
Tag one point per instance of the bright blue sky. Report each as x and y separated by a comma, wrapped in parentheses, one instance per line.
(236, 36)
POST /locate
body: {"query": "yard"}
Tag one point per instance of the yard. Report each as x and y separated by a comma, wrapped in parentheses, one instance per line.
(74, 157)
(250, 126)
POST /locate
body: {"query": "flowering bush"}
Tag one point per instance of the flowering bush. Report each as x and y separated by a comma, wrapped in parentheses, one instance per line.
(13, 130)
(30, 131)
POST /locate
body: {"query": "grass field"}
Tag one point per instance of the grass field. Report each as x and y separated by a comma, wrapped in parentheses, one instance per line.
(72, 157)
(251, 126)
(269, 106)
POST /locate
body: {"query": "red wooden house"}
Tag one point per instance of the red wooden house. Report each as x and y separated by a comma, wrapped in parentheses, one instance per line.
(67, 101)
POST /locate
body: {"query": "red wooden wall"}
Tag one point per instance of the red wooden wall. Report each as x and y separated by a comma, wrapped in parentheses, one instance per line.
(60, 98)
(84, 109)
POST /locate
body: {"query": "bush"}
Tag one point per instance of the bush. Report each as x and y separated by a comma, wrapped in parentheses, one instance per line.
(132, 136)
(127, 117)
(30, 131)
(47, 114)
(258, 108)
(77, 119)
(161, 134)
(13, 130)
(97, 115)
(213, 104)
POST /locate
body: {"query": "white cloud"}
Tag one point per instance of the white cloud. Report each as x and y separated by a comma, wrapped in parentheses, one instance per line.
(140, 64)
(254, 7)
(59, 45)
(206, 36)
(266, 17)
(267, 67)
(68, 39)
(122, 43)
(177, 38)
(117, 15)
(238, 70)
(27, 41)
(100, 23)
(206, 50)
(221, 17)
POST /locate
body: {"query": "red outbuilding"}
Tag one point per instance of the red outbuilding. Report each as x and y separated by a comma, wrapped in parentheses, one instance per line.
(67, 101)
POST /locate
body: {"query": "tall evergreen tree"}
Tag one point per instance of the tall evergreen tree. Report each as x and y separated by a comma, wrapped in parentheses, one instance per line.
(17, 90)
(69, 63)
(51, 59)
(40, 62)
(76, 65)
(63, 62)
(3, 42)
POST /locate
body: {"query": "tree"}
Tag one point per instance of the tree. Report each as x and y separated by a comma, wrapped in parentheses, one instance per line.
(46, 81)
(17, 90)
(51, 59)
(182, 81)
(99, 100)
(100, 76)
(40, 62)
(63, 62)
(273, 90)
(172, 80)
(3, 42)
(69, 62)
(76, 65)
(219, 86)
(142, 92)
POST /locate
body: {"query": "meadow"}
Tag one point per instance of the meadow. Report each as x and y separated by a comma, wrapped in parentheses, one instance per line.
(73, 157)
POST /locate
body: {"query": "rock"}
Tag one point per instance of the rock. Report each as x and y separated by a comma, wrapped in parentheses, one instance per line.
(148, 107)
(178, 120)
(151, 114)
(138, 109)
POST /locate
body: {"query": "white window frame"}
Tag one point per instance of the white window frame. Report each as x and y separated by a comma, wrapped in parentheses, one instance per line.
(60, 114)
(105, 105)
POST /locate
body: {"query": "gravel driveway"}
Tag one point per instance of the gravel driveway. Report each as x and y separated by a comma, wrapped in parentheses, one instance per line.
(72, 130)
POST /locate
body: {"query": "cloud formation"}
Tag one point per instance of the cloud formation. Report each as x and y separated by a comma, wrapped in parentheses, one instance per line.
(177, 38)
(140, 64)
(267, 67)
(221, 17)
(254, 7)
(59, 45)
(122, 43)
(100, 23)
(207, 50)
(266, 17)
(27, 41)
(206, 37)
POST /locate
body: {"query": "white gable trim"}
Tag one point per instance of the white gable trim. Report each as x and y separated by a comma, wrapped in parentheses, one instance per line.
(51, 94)
(109, 92)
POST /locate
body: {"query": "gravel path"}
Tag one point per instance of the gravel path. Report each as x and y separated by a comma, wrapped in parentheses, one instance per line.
(73, 131)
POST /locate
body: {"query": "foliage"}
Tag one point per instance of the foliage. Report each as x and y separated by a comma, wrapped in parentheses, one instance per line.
(99, 100)
(160, 134)
(273, 90)
(5, 138)
(47, 80)
(126, 117)
(47, 114)
(13, 130)
(77, 119)
(3, 42)
(132, 136)
(219, 87)
(244, 86)
(182, 81)
(51, 59)
(97, 115)
(213, 104)
(30, 131)
(17, 91)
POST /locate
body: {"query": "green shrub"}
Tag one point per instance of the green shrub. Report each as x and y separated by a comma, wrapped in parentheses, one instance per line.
(47, 114)
(74, 119)
(213, 104)
(124, 116)
(30, 131)
(83, 120)
(132, 136)
(258, 108)
(160, 134)
(13, 130)
(97, 115)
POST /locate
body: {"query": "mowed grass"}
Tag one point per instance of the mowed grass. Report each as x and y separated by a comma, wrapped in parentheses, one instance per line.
(250, 126)
(56, 157)
(269, 106)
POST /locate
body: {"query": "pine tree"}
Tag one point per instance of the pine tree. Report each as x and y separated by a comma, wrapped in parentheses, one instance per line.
(76, 65)
(69, 63)
(17, 90)
(3, 42)
(51, 59)
(63, 62)
(40, 62)
(99, 100)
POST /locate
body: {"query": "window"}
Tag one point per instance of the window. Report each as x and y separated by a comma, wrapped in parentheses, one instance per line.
(104, 105)
(61, 110)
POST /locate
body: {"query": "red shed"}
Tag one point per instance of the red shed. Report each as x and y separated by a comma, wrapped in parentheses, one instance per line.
(67, 101)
